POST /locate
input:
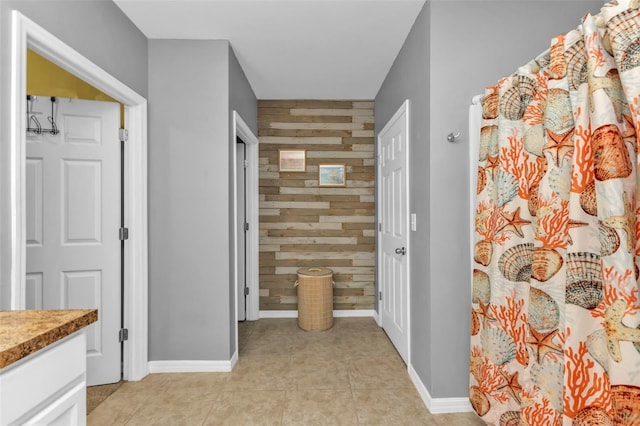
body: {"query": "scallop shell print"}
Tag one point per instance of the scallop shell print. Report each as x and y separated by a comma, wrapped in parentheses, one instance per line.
(611, 157)
(544, 59)
(482, 180)
(515, 100)
(512, 418)
(557, 65)
(548, 376)
(584, 280)
(498, 346)
(534, 140)
(481, 287)
(588, 199)
(592, 416)
(482, 252)
(490, 106)
(626, 404)
(488, 142)
(546, 263)
(558, 115)
(475, 323)
(515, 262)
(479, 401)
(507, 187)
(624, 34)
(532, 203)
(576, 64)
(544, 313)
(609, 240)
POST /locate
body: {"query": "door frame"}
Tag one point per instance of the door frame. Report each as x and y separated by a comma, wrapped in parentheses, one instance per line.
(403, 110)
(27, 34)
(241, 130)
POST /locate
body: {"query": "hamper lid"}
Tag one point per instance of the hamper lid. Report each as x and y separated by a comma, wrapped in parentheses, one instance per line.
(315, 272)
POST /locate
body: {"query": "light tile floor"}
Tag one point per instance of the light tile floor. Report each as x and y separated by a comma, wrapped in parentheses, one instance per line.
(348, 375)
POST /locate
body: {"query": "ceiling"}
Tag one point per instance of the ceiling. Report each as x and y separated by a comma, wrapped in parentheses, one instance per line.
(292, 49)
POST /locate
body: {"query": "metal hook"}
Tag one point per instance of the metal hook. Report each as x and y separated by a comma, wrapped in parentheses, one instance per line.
(452, 138)
(54, 129)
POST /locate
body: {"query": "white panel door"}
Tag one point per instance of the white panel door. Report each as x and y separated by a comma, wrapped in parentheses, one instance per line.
(241, 252)
(73, 220)
(393, 231)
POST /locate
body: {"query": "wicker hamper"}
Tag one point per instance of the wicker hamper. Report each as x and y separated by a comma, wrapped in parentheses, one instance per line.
(315, 298)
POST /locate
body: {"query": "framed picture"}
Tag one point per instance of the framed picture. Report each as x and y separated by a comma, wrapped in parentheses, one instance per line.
(332, 175)
(291, 160)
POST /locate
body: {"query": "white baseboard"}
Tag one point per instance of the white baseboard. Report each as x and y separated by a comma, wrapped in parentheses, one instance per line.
(195, 366)
(438, 405)
(339, 313)
(278, 314)
(234, 359)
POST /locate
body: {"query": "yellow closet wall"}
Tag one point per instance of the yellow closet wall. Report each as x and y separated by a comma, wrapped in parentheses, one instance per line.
(44, 78)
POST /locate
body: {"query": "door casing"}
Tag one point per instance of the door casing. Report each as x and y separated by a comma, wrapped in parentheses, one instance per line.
(27, 34)
(241, 130)
(404, 109)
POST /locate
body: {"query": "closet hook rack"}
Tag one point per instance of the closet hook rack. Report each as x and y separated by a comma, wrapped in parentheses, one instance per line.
(33, 124)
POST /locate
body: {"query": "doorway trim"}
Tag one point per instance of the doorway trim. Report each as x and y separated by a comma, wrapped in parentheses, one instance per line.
(27, 34)
(403, 110)
(241, 130)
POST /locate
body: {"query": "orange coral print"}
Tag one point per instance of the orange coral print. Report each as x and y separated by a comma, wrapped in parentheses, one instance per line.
(513, 319)
(528, 169)
(582, 173)
(587, 386)
(552, 228)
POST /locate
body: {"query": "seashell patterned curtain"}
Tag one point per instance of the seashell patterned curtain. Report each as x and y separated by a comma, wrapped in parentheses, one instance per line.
(555, 333)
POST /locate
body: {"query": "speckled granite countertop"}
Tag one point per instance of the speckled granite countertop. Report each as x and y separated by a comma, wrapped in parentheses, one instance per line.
(25, 332)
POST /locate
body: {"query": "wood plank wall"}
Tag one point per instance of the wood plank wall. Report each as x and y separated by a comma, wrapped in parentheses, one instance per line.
(303, 225)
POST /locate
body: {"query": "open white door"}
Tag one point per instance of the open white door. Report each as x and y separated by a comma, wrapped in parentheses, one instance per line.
(241, 251)
(393, 230)
(73, 207)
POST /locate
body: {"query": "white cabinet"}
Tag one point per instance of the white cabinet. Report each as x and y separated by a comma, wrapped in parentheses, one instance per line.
(47, 387)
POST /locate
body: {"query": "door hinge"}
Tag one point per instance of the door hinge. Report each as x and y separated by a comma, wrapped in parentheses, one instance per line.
(124, 234)
(380, 227)
(379, 295)
(123, 335)
(246, 226)
(123, 134)
(246, 291)
(246, 163)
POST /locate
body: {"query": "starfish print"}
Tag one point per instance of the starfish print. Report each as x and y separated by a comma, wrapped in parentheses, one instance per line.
(514, 223)
(511, 385)
(574, 224)
(616, 330)
(542, 343)
(492, 165)
(625, 222)
(485, 312)
(559, 145)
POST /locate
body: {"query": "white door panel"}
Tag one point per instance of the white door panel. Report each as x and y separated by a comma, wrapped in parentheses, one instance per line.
(73, 218)
(393, 234)
(241, 232)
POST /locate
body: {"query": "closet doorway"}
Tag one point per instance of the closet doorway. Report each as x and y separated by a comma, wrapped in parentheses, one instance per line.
(26, 34)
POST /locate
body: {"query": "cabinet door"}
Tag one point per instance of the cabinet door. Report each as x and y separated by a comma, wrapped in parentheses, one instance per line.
(69, 409)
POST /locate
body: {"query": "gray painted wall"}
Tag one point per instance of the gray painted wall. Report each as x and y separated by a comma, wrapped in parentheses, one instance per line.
(467, 45)
(243, 100)
(409, 79)
(98, 30)
(188, 193)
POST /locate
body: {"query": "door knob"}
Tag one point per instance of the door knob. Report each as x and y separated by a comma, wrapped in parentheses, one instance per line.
(401, 251)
